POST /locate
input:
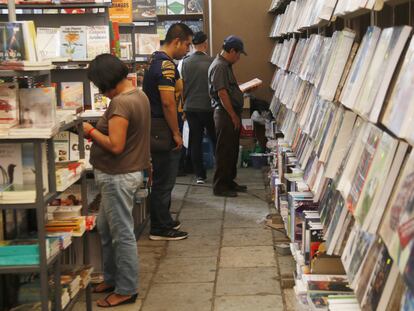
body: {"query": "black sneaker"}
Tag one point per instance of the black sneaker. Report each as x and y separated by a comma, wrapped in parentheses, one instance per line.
(168, 235)
(226, 193)
(176, 225)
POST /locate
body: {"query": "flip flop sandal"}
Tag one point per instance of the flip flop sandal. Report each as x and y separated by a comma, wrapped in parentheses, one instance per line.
(130, 300)
(106, 290)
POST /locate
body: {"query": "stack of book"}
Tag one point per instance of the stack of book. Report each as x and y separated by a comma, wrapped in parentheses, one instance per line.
(25, 252)
(75, 225)
(68, 173)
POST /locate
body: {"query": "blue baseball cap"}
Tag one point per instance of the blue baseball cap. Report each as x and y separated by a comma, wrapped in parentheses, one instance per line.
(234, 42)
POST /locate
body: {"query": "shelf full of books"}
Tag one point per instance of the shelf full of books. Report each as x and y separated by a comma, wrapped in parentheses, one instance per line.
(341, 174)
(299, 16)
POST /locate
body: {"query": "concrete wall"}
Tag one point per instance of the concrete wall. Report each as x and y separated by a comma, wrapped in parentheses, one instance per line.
(249, 20)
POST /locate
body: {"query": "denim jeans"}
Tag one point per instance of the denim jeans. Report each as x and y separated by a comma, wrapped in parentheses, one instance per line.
(165, 169)
(116, 229)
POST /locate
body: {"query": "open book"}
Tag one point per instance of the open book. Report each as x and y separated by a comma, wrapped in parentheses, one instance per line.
(250, 85)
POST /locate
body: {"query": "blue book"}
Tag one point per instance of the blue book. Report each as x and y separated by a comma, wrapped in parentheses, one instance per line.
(73, 42)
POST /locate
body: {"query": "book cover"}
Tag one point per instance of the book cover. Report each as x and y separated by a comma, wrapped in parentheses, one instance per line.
(144, 10)
(71, 95)
(121, 11)
(401, 99)
(377, 176)
(61, 144)
(38, 107)
(175, 7)
(9, 105)
(396, 228)
(194, 6)
(12, 41)
(11, 165)
(73, 42)
(161, 7)
(146, 44)
(48, 43)
(29, 37)
(383, 63)
(360, 66)
(97, 40)
(98, 100)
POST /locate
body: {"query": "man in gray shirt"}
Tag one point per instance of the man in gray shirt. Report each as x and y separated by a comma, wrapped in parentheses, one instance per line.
(197, 104)
(227, 100)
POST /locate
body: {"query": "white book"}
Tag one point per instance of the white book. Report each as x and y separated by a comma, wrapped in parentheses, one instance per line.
(48, 43)
(9, 105)
(146, 44)
(97, 41)
(360, 67)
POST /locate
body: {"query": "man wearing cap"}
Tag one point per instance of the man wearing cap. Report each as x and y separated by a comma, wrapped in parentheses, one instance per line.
(227, 101)
(197, 105)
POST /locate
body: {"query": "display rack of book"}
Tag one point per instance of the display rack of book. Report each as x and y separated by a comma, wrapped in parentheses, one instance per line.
(37, 225)
(341, 175)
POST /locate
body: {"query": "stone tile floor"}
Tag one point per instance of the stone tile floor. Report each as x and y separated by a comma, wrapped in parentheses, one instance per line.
(228, 263)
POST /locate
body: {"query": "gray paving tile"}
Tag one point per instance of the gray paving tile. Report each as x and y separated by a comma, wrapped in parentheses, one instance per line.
(187, 270)
(144, 283)
(286, 264)
(249, 303)
(202, 227)
(234, 219)
(247, 256)
(204, 202)
(81, 306)
(201, 213)
(247, 237)
(179, 297)
(195, 246)
(248, 281)
(149, 258)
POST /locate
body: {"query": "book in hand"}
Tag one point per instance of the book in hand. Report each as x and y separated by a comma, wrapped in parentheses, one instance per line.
(250, 85)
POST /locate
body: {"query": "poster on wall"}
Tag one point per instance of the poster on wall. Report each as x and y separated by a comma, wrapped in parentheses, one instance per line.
(121, 11)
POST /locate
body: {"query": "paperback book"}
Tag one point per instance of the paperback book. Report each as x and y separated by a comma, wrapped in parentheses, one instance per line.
(9, 105)
(71, 95)
(73, 42)
(97, 41)
(144, 9)
(48, 43)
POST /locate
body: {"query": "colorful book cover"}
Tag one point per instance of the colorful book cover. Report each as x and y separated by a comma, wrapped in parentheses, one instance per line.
(194, 6)
(38, 107)
(14, 42)
(48, 43)
(98, 100)
(61, 145)
(11, 165)
(175, 7)
(161, 8)
(71, 95)
(121, 11)
(97, 41)
(144, 10)
(9, 105)
(73, 42)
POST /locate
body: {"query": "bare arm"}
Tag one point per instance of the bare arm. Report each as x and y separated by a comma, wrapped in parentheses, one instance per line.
(226, 101)
(116, 140)
(170, 113)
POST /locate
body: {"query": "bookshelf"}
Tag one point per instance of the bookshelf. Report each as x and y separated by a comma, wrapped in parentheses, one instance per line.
(341, 170)
(51, 264)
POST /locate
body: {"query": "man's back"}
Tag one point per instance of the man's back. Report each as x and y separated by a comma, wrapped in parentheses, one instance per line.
(195, 75)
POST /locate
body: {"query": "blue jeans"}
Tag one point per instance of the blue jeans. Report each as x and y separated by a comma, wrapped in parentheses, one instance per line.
(165, 169)
(116, 228)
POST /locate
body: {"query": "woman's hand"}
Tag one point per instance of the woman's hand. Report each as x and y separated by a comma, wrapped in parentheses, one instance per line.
(86, 128)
